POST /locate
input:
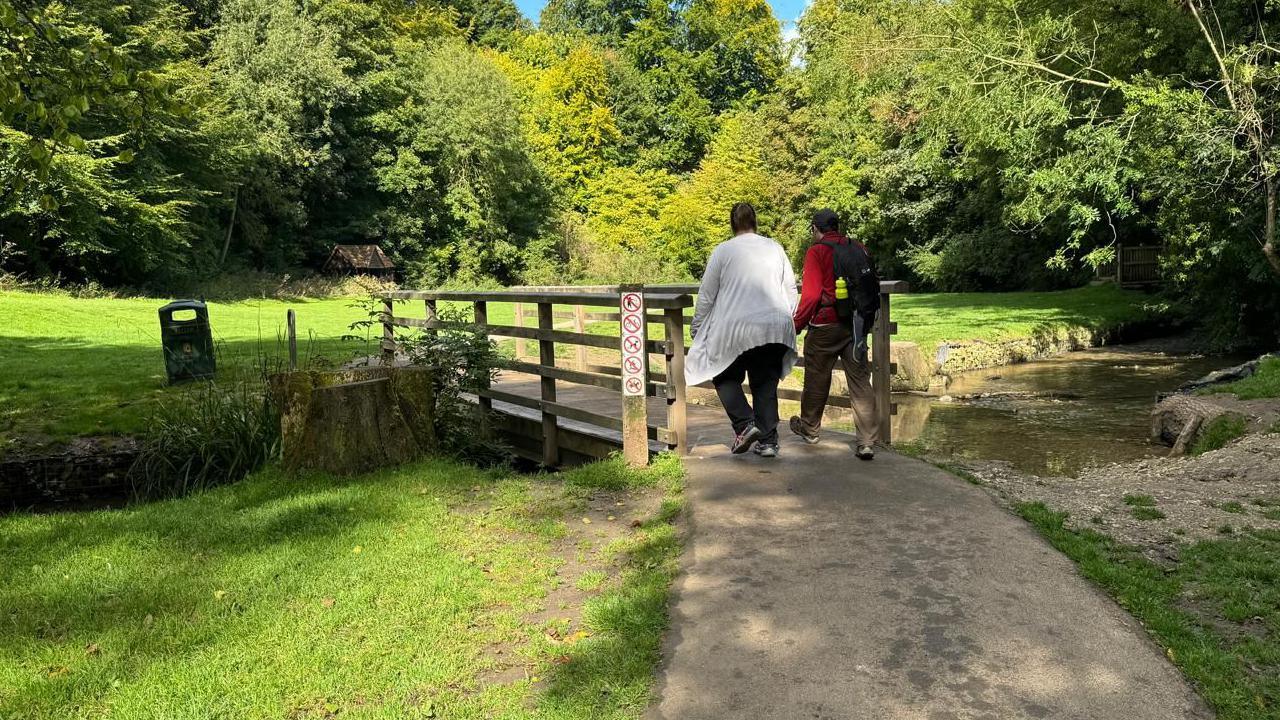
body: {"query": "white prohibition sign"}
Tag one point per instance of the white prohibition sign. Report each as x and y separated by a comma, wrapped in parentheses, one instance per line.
(633, 337)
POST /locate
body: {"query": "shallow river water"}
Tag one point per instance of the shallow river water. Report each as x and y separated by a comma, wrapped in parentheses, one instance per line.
(1054, 416)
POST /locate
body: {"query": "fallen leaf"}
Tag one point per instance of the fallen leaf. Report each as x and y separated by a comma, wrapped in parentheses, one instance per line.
(562, 660)
(612, 518)
(636, 523)
(577, 636)
(586, 521)
(219, 594)
(356, 549)
(92, 649)
(58, 671)
(1169, 652)
(327, 602)
(619, 503)
(148, 620)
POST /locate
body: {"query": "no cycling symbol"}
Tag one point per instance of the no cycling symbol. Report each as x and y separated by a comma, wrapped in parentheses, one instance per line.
(631, 324)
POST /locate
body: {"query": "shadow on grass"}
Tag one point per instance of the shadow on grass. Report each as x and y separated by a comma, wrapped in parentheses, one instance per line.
(107, 574)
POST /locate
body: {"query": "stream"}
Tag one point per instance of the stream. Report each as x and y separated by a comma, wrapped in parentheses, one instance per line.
(1054, 416)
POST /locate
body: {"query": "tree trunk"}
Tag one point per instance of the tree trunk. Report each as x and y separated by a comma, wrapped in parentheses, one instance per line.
(226, 244)
(1269, 230)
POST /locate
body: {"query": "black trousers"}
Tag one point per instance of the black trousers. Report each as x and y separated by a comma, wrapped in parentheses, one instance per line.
(762, 368)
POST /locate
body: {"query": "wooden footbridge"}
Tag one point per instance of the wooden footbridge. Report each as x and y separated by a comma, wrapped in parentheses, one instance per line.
(608, 372)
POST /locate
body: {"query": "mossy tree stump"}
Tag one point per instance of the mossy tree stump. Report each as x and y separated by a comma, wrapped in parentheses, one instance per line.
(355, 421)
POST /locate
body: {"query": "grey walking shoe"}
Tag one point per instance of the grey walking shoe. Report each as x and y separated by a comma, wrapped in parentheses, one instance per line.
(797, 427)
(865, 452)
(745, 439)
(767, 450)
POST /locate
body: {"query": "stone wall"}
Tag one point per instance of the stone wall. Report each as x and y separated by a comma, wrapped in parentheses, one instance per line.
(92, 470)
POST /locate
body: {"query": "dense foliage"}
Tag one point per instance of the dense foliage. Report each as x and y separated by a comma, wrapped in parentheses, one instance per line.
(973, 144)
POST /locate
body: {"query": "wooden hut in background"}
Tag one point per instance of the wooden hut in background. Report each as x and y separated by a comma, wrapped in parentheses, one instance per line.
(359, 260)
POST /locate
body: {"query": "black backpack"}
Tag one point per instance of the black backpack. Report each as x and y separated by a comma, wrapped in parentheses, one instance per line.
(854, 264)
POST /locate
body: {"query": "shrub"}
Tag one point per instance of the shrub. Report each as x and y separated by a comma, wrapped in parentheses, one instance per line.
(209, 434)
(464, 361)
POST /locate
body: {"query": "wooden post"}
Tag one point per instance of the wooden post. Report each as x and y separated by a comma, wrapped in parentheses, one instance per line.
(676, 419)
(635, 376)
(388, 332)
(486, 404)
(881, 372)
(432, 316)
(520, 344)
(547, 358)
(291, 322)
(580, 326)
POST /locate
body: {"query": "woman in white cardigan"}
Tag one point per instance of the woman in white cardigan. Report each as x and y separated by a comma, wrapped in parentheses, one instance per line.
(742, 328)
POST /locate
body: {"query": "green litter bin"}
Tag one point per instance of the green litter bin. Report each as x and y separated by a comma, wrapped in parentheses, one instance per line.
(187, 340)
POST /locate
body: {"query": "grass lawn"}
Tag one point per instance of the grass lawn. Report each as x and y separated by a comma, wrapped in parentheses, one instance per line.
(930, 318)
(1216, 610)
(72, 367)
(429, 591)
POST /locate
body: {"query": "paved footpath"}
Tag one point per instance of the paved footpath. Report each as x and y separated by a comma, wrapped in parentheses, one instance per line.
(818, 586)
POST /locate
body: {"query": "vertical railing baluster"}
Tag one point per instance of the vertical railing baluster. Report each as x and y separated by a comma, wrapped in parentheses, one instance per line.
(547, 358)
(520, 344)
(388, 332)
(432, 316)
(676, 418)
(580, 326)
(486, 403)
(882, 372)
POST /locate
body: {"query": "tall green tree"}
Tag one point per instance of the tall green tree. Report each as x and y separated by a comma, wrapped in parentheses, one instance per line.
(464, 196)
(100, 137)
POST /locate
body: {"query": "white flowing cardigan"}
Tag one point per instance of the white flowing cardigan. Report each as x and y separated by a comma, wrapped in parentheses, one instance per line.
(747, 298)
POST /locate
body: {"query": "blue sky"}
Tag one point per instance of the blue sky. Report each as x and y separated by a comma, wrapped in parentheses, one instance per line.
(786, 10)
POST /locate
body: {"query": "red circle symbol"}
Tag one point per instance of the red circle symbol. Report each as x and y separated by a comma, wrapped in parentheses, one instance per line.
(634, 365)
(631, 323)
(632, 344)
(631, 302)
(633, 385)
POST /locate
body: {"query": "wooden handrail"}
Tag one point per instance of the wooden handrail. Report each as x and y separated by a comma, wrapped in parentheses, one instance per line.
(661, 300)
(656, 347)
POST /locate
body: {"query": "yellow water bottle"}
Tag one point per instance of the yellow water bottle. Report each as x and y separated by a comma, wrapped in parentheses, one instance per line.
(844, 308)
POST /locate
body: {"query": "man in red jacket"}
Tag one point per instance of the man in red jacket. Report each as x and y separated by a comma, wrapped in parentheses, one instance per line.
(829, 339)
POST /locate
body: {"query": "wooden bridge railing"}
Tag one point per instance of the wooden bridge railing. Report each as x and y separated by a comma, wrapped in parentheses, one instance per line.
(668, 384)
(563, 314)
